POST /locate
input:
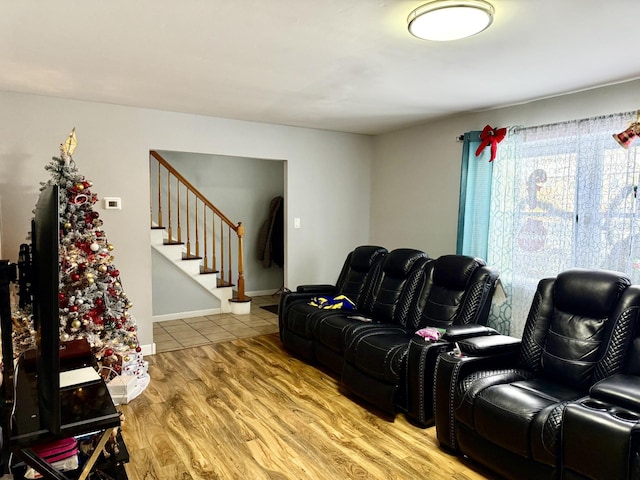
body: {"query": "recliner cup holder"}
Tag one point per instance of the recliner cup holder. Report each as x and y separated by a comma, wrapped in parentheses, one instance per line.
(625, 415)
(595, 404)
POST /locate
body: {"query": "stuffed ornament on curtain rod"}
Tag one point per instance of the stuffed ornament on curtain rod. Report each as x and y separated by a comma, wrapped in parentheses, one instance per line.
(627, 137)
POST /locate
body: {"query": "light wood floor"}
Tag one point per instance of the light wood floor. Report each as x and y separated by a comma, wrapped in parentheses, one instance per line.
(247, 409)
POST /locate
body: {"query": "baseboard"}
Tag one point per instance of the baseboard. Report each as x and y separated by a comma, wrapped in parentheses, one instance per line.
(180, 315)
(262, 293)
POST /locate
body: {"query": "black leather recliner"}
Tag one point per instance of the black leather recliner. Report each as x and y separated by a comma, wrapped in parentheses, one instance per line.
(452, 289)
(506, 412)
(360, 274)
(391, 300)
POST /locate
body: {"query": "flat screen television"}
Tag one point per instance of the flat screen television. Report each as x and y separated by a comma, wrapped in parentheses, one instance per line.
(45, 229)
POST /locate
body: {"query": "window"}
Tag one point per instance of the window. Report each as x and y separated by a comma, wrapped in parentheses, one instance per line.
(561, 196)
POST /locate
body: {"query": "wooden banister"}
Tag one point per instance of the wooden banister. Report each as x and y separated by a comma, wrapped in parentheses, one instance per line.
(200, 224)
(193, 189)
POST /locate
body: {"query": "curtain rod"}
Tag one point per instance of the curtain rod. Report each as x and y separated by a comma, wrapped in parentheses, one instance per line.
(516, 128)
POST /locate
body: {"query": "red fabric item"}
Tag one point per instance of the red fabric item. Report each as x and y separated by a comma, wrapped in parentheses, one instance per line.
(57, 450)
(491, 136)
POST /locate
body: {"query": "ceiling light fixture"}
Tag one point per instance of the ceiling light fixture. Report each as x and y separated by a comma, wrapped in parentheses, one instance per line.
(444, 20)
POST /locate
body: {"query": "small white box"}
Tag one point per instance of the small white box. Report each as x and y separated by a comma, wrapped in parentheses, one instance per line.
(122, 385)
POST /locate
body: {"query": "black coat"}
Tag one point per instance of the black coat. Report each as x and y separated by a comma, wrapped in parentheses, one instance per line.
(271, 235)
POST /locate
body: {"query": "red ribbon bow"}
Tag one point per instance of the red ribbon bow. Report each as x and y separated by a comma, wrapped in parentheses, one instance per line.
(491, 136)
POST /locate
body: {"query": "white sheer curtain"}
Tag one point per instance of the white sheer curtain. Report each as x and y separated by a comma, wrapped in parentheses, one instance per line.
(563, 195)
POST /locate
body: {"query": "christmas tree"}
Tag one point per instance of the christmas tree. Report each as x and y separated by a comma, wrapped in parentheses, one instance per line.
(93, 304)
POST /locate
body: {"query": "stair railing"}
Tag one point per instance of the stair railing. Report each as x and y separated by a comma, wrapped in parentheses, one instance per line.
(201, 219)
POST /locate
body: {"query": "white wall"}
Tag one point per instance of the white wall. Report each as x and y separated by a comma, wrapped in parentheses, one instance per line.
(328, 179)
(175, 292)
(408, 198)
(416, 171)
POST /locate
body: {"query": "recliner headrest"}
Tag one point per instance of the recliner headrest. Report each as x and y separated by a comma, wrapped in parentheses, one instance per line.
(365, 256)
(454, 271)
(589, 293)
(400, 261)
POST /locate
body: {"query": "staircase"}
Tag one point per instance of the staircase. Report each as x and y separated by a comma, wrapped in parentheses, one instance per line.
(177, 206)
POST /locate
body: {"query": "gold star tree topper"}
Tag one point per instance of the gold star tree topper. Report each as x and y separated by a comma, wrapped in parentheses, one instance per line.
(69, 145)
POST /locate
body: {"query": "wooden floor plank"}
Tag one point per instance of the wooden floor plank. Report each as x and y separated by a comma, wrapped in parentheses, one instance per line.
(248, 409)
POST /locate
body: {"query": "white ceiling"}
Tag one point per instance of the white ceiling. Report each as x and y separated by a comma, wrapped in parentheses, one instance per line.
(344, 65)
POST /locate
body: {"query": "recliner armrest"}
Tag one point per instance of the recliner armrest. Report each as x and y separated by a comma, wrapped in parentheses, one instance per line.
(489, 345)
(620, 390)
(450, 370)
(327, 289)
(459, 332)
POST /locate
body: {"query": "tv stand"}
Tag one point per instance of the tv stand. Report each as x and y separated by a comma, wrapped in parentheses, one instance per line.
(85, 408)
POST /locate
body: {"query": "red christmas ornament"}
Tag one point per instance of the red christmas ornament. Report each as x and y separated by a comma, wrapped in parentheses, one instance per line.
(108, 352)
(99, 301)
(491, 136)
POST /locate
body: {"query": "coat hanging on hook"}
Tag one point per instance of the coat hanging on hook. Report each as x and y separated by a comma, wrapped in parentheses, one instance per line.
(271, 236)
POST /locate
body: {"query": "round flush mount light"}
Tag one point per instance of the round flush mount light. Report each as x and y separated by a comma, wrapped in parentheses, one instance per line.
(444, 20)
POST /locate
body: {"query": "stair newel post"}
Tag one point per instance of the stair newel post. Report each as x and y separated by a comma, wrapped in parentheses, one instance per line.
(169, 220)
(213, 241)
(205, 260)
(197, 231)
(179, 226)
(222, 249)
(230, 274)
(159, 196)
(188, 228)
(240, 231)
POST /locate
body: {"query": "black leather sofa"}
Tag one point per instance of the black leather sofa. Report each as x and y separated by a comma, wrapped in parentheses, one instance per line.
(562, 402)
(358, 278)
(451, 290)
(391, 298)
(397, 293)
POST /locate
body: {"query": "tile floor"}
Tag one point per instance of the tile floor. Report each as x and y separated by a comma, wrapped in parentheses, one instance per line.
(190, 332)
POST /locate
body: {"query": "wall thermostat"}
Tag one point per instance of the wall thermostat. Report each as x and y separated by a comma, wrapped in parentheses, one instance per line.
(112, 203)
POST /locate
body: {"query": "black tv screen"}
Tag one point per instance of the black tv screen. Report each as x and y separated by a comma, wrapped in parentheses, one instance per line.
(45, 266)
